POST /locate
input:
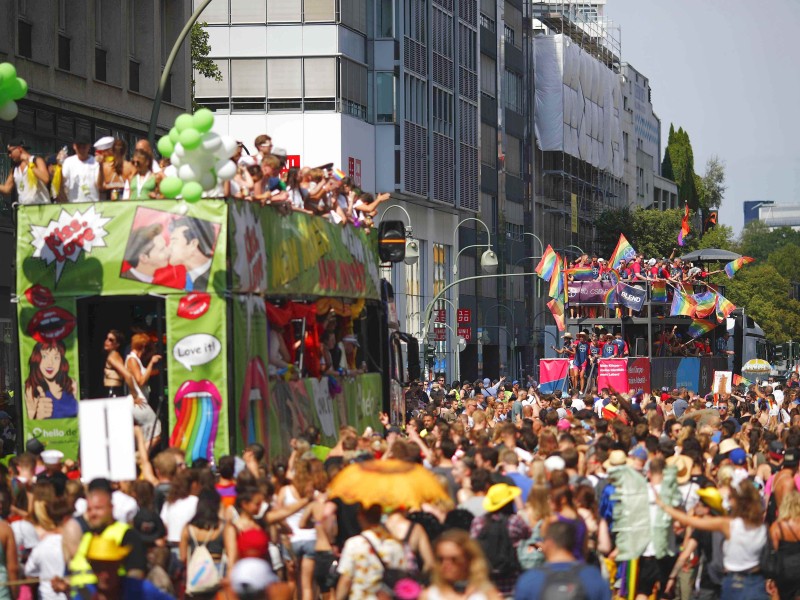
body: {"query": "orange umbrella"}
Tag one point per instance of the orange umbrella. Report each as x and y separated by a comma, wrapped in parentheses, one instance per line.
(388, 483)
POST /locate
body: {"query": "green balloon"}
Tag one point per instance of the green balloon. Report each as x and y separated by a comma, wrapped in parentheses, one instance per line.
(171, 186)
(203, 120)
(184, 122)
(165, 146)
(192, 191)
(7, 71)
(174, 136)
(19, 88)
(190, 138)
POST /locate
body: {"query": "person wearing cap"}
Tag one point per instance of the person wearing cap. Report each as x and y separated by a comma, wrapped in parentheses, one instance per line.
(52, 470)
(782, 482)
(29, 176)
(99, 518)
(499, 504)
(79, 174)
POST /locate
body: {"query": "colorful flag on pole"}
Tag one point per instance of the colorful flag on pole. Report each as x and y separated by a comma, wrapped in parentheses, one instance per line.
(610, 300)
(724, 307)
(658, 291)
(557, 308)
(546, 265)
(581, 273)
(682, 305)
(732, 267)
(700, 327)
(706, 304)
(557, 280)
(739, 380)
(623, 251)
(684, 225)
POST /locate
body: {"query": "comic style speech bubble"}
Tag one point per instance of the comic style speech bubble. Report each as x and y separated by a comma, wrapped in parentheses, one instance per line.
(196, 349)
(64, 240)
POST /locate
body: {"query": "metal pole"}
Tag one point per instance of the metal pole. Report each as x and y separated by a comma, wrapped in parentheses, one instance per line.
(151, 133)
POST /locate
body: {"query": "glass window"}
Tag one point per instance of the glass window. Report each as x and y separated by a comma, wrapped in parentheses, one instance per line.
(513, 21)
(284, 78)
(384, 21)
(205, 87)
(284, 11)
(353, 89)
(513, 91)
(319, 11)
(385, 95)
(320, 77)
(354, 14)
(248, 78)
(513, 155)
(63, 52)
(489, 8)
(216, 12)
(488, 75)
(488, 145)
(246, 11)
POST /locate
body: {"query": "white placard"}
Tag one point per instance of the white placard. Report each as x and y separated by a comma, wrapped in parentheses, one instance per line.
(722, 382)
(108, 448)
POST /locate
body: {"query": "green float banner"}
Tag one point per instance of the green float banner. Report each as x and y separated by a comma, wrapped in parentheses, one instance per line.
(305, 255)
(49, 373)
(198, 375)
(114, 248)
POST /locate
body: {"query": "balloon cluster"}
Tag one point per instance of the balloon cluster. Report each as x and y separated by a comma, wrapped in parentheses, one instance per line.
(201, 156)
(11, 88)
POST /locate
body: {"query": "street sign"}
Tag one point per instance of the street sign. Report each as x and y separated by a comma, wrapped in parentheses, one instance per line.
(465, 332)
(441, 315)
(464, 315)
(440, 334)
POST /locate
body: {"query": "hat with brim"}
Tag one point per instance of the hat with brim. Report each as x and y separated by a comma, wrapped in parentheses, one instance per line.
(683, 465)
(106, 550)
(617, 458)
(52, 457)
(567, 336)
(104, 143)
(712, 498)
(499, 495)
(727, 445)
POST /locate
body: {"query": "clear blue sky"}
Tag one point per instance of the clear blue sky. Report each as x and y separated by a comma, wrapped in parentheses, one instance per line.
(727, 72)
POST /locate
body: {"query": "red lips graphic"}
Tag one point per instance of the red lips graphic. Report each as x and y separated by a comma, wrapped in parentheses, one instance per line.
(39, 296)
(194, 305)
(51, 324)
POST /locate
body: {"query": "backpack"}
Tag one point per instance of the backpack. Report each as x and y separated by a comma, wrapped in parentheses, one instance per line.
(202, 575)
(391, 576)
(563, 585)
(497, 546)
(528, 554)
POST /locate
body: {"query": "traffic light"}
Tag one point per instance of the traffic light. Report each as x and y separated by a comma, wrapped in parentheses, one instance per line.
(430, 354)
(392, 241)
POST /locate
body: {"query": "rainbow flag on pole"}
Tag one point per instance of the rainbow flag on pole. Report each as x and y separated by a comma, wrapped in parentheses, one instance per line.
(724, 307)
(623, 251)
(706, 304)
(739, 380)
(700, 327)
(546, 265)
(684, 225)
(682, 305)
(658, 291)
(557, 308)
(581, 273)
(735, 265)
(557, 280)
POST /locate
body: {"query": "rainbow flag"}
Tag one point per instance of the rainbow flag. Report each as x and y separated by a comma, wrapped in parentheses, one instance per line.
(557, 280)
(623, 251)
(581, 273)
(658, 291)
(613, 276)
(700, 327)
(735, 265)
(546, 265)
(739, 380)
(557, 308)
(724, 307)
(684, 225)
(338, 174)
(682, 305)
(610, 299)
(706, 304)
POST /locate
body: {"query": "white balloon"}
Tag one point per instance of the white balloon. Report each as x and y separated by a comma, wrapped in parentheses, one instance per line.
(8, 111)
(227, 171)
(211, 142)
(179, 150)
(189, 172)
(175, 160)
(208, 180)
(229, 147)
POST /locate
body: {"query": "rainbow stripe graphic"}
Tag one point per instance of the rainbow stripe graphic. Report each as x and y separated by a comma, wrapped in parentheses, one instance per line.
(706, 304)
(546, 265)
(197, 406)
(610, 299)
(581, 273)
(557, 308)
(623, 251)
(682, 305)
(557, 280)
(739, 380)
(658, 291)
(338, 174)
(700, 327)
(732, 267)
(724, 307)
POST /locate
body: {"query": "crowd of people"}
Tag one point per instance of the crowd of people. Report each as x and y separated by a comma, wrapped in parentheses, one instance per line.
(105, 171)
(541, 495)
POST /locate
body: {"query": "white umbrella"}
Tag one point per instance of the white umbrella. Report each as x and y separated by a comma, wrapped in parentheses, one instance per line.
(756, 366)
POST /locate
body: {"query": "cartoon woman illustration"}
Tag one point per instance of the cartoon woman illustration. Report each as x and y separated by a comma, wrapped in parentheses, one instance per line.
(49, 388)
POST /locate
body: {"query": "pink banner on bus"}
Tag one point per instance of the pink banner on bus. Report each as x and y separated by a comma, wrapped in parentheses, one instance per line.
(639, 374)
(612, 373)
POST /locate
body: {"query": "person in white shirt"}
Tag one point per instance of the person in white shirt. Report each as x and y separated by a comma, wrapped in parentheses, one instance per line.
(29, 176)
(79, 175)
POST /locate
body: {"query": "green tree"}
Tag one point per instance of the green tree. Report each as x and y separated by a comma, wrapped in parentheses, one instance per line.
(656, 232)
(201, 64)
(609, 225)
(759, 242)
(678, 165)
(786, 261)
(713, 184)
